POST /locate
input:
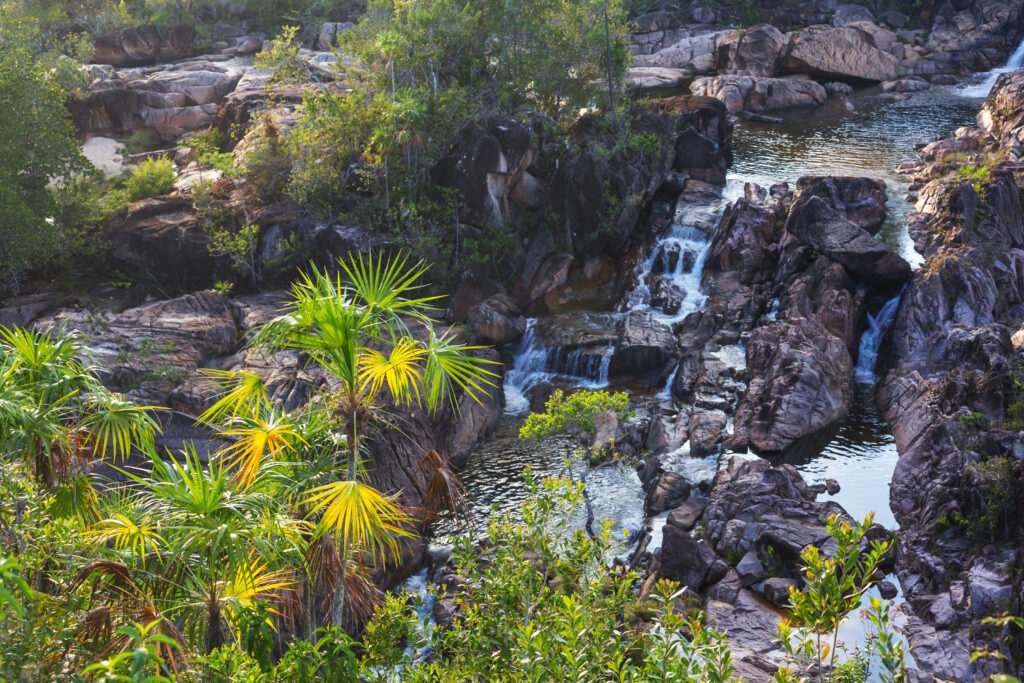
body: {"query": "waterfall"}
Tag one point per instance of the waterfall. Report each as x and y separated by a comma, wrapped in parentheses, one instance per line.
(989, 79)
(871, 340)
(535, 362)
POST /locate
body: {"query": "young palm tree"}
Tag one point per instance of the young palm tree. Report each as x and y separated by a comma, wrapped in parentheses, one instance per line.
(56, 417)
(198, 550)
(373, 333)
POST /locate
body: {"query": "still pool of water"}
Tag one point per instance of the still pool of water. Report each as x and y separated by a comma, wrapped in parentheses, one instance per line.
(872, 139)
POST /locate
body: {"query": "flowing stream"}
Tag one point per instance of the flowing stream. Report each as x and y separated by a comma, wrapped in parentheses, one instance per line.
(867, 134)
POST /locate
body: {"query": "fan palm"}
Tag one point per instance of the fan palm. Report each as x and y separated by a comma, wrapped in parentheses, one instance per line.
(56, 417)
(372, 332)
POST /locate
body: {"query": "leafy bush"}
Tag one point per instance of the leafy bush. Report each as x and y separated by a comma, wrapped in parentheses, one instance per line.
(282, 58)
(151, 178)
(37, 141)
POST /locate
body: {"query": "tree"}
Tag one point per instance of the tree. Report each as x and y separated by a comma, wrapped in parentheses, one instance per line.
(373, 334)
(37, 142)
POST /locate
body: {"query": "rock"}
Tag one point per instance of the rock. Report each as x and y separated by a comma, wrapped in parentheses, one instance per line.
(944, 79)
(327, 36)
(167, 104)
(839, 88)
(760, 94)
(701, 13)
(753, 505)
(887, 589)
(896, 19)
(846, 52)
(750, 569)
(776, 590)
(815, 223)
(991, 590)
(666, 492)
(692, 563)
(643, 349)
(498, 320)
(745, 242)
(906, 85)
(798, 383)
(757, 51)
(656, 77)
(484, 164)
(146, 351)
(831, 486)
(146, 44)
(751, 625)
(162, 230)
(685, 515)
(859, 200)
(685, 53)
(706, 428)
(847, 14)
(599, 198)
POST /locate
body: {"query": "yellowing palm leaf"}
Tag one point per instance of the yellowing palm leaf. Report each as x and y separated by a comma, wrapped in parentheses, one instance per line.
(252, 584)
(359, 516)
(138, 538)
(245, 393)
(271, 436)
(400, 371)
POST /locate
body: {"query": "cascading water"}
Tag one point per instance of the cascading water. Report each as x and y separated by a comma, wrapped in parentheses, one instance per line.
(535, 362)
(871, 340)
(988, 80)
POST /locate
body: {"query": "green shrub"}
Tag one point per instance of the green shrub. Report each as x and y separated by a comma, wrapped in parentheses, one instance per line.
(151, 178)
(138, 142)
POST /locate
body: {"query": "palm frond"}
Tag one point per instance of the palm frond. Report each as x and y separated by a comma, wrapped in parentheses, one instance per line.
(449, 366)
(244, 393)
(443, 492)
(357, 515)
(259, 438)
(399, 371)
(118, 426)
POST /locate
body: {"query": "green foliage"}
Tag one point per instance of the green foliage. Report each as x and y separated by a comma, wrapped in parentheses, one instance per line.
(282, 58)
(37, 141)
(536, 603)
(976, 176)
(139, 141)
(833, 589)
(151, 178)
(575, 412)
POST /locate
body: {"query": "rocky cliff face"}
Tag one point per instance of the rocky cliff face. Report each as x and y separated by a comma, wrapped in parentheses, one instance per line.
(951, 395)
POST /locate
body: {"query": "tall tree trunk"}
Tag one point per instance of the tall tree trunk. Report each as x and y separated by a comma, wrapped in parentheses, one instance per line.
(338, 612)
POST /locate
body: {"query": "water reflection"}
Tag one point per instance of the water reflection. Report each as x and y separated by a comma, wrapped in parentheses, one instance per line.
(871, 140)
(859, 452)
(493, 479)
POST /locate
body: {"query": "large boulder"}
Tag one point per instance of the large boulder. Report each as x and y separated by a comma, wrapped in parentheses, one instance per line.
(850, 52)
(146, 44)
(161, 239)
(760, 94)
(166, 104)
(498, 320)
(745, 242)
(643, 349)
(847, 14)
(858, 200)
(600, 198)
(486, 162)
(146, 351)
(798, 383)
(757, 51)
(690, 562)
(815, 223)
